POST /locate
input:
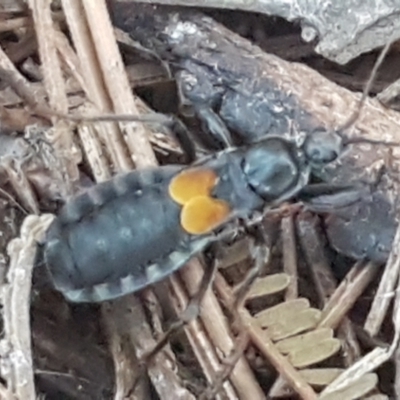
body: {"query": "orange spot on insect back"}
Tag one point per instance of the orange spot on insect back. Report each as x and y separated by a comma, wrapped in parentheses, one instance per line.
(202, 214)
(192, 183)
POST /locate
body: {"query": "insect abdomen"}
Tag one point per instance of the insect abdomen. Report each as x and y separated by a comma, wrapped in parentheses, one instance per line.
(118, 237)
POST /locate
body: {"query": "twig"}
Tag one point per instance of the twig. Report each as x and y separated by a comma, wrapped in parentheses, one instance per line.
(61, 136)
(24, 89)
(116, 80)
(14, 23)
(13, 201)
(345, 296)
(213, 318)
(230, 362)
(202, 345)
(16, 303)
(385, 293)
(289, 256)
(334, 311)
(109, 134)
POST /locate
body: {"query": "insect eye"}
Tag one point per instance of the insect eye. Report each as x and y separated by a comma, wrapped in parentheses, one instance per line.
(323, 147)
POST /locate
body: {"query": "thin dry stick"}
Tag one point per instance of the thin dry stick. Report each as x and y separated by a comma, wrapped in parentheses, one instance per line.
(254, 6)
(327, 286)
(122, 350)
(385, 292)
(204, 349)
(289, 267)
(116, 80)
(366, 364)
(22, 87)
(21, 185)
(61, 136)
(289, 256)
(13, 201)
(218, 330)
(188, 314)
(70, 60)
(323, 278)
(230, 362)
(93, 148)
(51, 69)
(90, 142)
(378, 356)
(162, 371)
(348, 292)
(96, 91)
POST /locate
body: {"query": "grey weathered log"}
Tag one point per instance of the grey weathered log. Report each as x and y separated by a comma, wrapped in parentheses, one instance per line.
(258, 93)
(344, 29)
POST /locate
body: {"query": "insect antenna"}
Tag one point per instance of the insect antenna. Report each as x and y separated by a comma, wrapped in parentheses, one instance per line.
(367, 88)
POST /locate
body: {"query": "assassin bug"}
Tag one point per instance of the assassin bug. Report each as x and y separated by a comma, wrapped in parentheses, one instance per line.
(134, 230)
(138, 228)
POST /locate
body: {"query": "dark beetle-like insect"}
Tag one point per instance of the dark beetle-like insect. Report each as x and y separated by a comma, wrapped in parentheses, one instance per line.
(138, 228)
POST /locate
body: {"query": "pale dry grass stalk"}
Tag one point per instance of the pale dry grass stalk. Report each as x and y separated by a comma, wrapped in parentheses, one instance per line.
(61, 135)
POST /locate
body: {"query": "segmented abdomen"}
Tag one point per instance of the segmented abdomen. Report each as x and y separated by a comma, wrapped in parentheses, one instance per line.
(118, 237)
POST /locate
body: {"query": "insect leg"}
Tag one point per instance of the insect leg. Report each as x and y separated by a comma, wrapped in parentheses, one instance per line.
(260, 254)
(241, 344)
(324, 197)
(217, 134)
(183, 136)
(213, 125)
(189, 314)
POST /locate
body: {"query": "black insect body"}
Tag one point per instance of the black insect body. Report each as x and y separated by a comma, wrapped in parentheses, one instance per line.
(138, 228)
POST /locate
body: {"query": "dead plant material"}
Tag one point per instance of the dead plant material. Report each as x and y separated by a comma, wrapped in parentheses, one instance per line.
(292, 330)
